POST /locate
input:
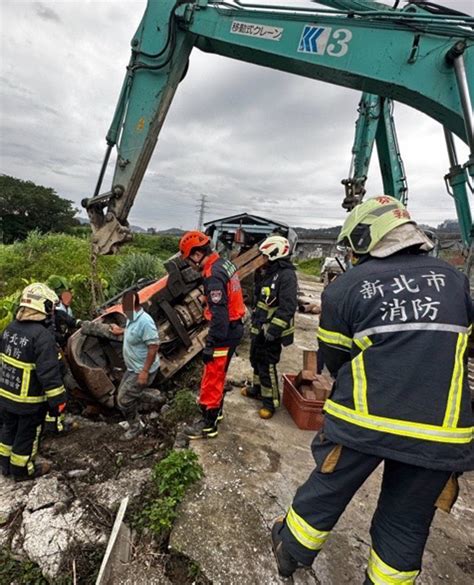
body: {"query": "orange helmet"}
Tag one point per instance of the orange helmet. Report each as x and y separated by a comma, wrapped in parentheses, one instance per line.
(191, 240)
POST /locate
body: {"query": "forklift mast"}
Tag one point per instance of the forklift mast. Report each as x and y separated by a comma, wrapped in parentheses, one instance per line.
(417, 55)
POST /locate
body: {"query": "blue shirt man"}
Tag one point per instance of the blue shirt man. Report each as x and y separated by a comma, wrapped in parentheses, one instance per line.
(140, 354)
(140, 333)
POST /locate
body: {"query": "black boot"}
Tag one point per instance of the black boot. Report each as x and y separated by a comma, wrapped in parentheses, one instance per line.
(5, 468)
(220, 412)
(205, 427)
(285, 562)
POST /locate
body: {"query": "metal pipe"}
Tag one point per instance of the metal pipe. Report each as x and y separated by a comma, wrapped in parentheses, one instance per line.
(456, 54)
(453, 158)
(102, 170)
(389, 12)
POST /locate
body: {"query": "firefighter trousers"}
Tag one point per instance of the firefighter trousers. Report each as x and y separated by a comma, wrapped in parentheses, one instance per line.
(264, 357)
(19, 441)
(401, 522)
(211, 394)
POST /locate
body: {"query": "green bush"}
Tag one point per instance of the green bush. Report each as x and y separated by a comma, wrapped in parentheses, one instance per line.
(183, 407)
(311, 267)
(134, 267)
(19, 572)
(65, 261)
(40, 256)
(8, 308)
(171, 478)
(161, 246)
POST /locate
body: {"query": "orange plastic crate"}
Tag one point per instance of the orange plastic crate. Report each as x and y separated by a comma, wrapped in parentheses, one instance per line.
(307, 414)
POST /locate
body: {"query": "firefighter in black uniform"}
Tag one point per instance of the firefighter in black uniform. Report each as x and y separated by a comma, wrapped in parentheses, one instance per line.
(272, 322)
(62, 326)
(393, 332)
(30, 382)
(224, 310)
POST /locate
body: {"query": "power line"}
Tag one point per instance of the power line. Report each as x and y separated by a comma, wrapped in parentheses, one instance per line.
(202, 209)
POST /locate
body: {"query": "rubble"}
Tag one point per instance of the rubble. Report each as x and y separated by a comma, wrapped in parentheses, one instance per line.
(46, 536)
(46, 492)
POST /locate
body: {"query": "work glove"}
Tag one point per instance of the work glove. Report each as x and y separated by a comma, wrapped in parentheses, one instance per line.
(269, 337)
(207, 354)
(57, 409)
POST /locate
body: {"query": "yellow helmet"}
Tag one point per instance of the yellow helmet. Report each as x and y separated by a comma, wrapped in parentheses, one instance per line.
(39, 297)
(370, 221)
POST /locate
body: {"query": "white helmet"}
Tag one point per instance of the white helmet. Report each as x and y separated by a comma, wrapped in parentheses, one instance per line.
(39, 297)
(275, 247)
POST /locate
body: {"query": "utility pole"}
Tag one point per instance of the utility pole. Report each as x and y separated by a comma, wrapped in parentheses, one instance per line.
(202, 209)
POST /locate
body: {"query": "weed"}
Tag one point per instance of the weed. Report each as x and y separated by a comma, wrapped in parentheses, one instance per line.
(183, 408)
(171, 477)
(64, 261)
(19, 572)
(135, 267)
(194, 570)
(311, 267)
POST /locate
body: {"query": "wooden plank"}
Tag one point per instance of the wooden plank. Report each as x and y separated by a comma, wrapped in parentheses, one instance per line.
(310, 360)
(118, 547)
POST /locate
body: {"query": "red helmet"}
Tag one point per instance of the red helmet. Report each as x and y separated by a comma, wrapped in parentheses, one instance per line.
(191, 240)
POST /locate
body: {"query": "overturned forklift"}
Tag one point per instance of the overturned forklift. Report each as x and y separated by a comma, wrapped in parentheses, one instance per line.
(176, 303)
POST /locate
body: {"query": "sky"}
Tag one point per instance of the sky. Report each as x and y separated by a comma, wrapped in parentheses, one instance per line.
(249, 138)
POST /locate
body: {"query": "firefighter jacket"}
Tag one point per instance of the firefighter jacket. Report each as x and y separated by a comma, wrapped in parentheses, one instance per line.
(63, 326)
(276, 301)
(224, 300)
(30, 373)
(394, 332)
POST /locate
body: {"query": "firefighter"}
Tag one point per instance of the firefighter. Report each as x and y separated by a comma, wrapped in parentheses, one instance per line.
(393, 332)
(272, 322)
(63, 324)
(30, 382)
(224, 311)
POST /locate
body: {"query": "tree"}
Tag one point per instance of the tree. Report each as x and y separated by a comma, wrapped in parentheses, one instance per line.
(25, 206)
(449, 225)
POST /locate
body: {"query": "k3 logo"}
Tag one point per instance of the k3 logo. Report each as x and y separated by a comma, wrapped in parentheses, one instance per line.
(324, 41)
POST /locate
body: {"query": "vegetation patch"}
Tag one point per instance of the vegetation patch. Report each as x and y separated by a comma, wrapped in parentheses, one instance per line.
(183, 570)
(66, 259)
(19, 572)
(133, 268)
(311, 267)
(183, 407)
(171, 477)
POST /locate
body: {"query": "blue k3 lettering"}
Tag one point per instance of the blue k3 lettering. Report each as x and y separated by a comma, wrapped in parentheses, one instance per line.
(322, 40)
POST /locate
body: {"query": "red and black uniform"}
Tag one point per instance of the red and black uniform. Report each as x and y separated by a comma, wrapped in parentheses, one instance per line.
(30, 385)
(224, 310)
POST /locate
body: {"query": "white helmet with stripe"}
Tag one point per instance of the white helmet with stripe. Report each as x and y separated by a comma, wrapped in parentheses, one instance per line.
(275, 247)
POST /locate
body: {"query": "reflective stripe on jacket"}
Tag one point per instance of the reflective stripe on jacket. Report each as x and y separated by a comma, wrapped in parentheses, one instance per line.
(276, 301)
(394, 331)
(30, 372)
(224, 299)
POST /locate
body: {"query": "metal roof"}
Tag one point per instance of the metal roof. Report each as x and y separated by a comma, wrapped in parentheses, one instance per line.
(246, 219)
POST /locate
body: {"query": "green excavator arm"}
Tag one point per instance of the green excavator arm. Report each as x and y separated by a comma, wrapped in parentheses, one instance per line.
(375, 125)
(409, 55)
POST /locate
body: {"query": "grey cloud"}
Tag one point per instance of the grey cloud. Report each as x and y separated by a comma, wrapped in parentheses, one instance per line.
(250, 138)
(46, 12)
